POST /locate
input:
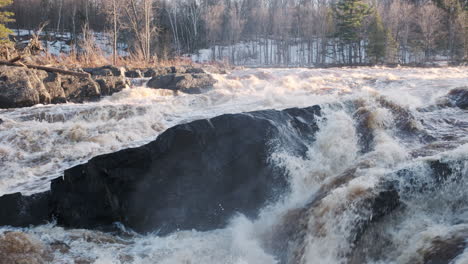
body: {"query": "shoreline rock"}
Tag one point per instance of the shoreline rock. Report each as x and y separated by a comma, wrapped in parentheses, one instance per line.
(190, 83)
(23, 87)
(459, 97)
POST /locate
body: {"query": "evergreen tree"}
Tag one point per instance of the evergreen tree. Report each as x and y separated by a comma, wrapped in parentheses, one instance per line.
(350, 15)
(376, 48)
(5, 17)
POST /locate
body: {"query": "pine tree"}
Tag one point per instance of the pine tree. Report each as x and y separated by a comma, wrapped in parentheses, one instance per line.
(376, 49)
(350, 15)
(5, 17)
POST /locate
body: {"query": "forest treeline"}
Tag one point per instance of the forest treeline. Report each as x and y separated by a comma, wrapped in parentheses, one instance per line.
(267, 32)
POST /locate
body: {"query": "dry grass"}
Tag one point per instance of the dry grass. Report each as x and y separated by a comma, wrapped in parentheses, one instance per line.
(91, 55)
(97, 58)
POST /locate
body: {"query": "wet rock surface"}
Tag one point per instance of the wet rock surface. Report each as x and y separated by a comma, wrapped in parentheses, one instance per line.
(195, 175)
(23, 87)
(18, 210)
(111, 85)
(108, 70)
(459, 97)
(196, 83)
(186, 79)
(79, 90)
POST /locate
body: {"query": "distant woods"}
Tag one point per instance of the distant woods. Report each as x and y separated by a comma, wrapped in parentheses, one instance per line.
(264, 32)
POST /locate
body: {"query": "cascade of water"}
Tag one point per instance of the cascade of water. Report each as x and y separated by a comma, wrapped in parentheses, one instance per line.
(381, 137)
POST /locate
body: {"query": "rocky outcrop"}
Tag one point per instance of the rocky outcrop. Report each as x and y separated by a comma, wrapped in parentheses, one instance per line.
(459, 97)
(134, 73)
(111, 85)
(157, 71)
(196, 175)
(107, 70)
(187, 83)
(18, 210)
(78, 89)
(23, 87)
(20, 87)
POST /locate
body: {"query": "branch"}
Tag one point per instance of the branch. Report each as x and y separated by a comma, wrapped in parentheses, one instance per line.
(47, 69)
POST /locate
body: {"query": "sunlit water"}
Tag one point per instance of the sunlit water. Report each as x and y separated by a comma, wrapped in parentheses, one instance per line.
(38, 143)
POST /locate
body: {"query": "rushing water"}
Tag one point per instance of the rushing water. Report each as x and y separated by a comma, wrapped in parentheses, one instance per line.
(38, 143)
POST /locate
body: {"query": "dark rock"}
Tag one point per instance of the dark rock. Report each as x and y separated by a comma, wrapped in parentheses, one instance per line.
(459, 97)
(365, 129)
(437, 174)
(152, 72)
(133, 74)
(186, 83)
(21, 87)
(111, 85)
(149, 73)
(195, 70)
(21, 211)
(446, 250)
(196, 175)
(178, 69)
(108, 70)
(78, 89)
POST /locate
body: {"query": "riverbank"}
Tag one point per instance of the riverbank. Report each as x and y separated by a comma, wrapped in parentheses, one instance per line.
(25, 87)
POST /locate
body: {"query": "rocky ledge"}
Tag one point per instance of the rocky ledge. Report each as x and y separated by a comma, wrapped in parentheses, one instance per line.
(24, 87)
(459, 97)
(195, 175)
(185, 79)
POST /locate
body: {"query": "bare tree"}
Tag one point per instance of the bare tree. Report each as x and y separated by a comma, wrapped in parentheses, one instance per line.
(213, 23)
(113, 11)
(140, 21)
(429, 21)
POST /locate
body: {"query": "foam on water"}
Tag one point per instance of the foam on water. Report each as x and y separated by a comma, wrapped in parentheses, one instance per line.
(38, 143)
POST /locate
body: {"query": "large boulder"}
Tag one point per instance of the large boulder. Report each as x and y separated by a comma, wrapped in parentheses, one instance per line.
(194, 176)
(152, 72)
(134, 73)
(187, 83)
(80, 89)
(21, 87)
(53, 84)
(18, 210)
(459, 97)
(107, 70)
(111, 85)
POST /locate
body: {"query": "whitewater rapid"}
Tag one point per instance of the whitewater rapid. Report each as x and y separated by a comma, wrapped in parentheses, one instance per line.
(39, 143)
